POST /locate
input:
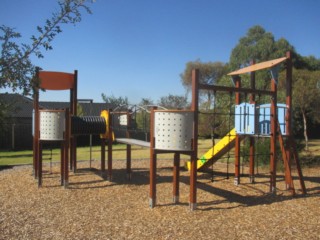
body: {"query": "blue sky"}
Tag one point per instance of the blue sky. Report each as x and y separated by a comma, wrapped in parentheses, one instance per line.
(137, 49)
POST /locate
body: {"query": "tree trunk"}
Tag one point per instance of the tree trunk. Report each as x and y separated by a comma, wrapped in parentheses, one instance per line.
(305, 130)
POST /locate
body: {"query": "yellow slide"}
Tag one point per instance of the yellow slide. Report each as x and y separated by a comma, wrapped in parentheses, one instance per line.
(216, 152)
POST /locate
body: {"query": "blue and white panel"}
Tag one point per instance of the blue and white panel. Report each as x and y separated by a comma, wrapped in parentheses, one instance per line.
(245, 118)
(264, 123)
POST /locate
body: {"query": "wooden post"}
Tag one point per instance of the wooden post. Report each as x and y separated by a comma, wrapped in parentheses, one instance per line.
(66, 146)
(273, 137)
(103, 157)
(237, 81)
(153, 163)
(194, 155)
(110, 147)
(39, 164)
(36, 134)
(73, 112)
(288, 118)
(176, 177)
(62, 153)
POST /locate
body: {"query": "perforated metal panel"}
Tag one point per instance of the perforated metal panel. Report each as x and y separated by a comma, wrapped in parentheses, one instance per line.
(173, 130)
(123, 119)
(52, 125)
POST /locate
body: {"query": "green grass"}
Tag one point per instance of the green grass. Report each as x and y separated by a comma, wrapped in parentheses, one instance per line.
(83, 153)
(119, 152)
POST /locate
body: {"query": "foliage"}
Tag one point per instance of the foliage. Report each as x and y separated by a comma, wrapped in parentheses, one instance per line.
(146, 102)
(210, 73)
(174, 102)
(16, 68)
(306, 97)
(115, 101)
(257, 45)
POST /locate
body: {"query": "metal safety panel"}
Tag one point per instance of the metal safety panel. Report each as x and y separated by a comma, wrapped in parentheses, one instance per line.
(173, 130)
(265, 118)
(52, 125)
(245, 118)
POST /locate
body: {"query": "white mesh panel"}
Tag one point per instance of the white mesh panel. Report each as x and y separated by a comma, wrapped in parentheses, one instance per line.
(173, 130)
(52, 125)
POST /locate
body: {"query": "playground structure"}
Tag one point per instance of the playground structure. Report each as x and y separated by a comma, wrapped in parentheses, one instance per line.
(63, 125)
(173, 131)
(262, 120)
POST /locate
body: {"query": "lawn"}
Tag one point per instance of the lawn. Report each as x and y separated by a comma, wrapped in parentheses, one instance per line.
(119, 153)
(83, 154)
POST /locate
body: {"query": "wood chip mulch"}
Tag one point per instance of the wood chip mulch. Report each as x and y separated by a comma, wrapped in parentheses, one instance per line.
(92, 208)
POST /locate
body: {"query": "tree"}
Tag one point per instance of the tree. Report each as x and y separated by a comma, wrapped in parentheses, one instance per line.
(146, 102)
(173, 102)
(115, 101)
(16, 68)
(258, 45)
(210, 73)
(306, 97)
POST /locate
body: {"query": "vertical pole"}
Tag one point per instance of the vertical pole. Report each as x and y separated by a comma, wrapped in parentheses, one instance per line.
(73, 112)
(176, 177)
(110, 138)
(62, 154)
(128, 147)
(194, 155)
(66, 146)
(252, 139)
(36, 122)
(273, 137)
(153, 163)
(288, 117)
(103, 157)
(237, 81)
(40, 164)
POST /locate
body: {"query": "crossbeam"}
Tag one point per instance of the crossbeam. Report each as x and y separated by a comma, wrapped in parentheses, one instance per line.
(234, 89)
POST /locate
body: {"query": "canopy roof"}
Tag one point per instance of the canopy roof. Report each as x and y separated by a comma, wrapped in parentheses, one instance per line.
(258, 66)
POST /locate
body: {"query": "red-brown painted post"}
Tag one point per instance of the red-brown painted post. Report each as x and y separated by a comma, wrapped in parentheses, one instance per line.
(73, 112)
(36, 134)
(40, 164)
(252, 139)
(153, 162)
(103, 157)
(62, 153)
(110, 147)
(237, 81)
(66, 146)
(194, 155)
(273, 137)
(288, 117)
(176, 177)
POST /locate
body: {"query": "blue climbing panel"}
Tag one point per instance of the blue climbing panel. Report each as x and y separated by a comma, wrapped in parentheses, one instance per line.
(245, 118)
(264, 116)
(256, 119)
